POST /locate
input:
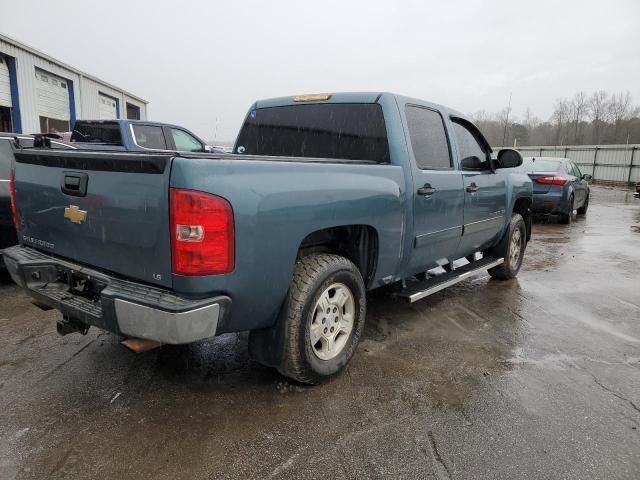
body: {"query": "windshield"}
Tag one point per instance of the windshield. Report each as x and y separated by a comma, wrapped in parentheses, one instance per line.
(337, 131)
(105, 133)
(541, 165)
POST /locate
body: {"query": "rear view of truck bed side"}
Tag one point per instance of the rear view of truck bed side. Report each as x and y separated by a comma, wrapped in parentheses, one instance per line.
(109, 243)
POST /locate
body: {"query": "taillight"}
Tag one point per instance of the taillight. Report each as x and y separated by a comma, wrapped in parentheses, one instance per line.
(551, 180)
(202, 233)
(15, 213)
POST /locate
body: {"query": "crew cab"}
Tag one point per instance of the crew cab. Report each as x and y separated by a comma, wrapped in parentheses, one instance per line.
(134, 136)
(323, 198)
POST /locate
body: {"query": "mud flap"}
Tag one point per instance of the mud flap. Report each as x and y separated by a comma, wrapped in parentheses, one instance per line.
(266, 345)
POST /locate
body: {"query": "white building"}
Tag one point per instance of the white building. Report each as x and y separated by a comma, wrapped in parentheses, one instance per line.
(39, 94)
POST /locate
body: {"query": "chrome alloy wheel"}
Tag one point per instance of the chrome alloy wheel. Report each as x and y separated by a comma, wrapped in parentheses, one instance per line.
(515, 247)
(332, 321)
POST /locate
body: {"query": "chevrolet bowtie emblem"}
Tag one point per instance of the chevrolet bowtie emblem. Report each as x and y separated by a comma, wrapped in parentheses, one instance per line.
(74, 214)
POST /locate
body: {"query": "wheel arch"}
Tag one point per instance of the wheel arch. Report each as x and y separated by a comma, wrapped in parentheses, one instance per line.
(357, 243)
(522, 205)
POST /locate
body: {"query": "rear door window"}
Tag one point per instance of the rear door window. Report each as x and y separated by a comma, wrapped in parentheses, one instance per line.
(576, 170)
(149, 136)
(428, 138)
(327, 130)
(185, 142)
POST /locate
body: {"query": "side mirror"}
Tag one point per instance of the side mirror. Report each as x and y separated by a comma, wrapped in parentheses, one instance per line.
(508, 158)
(587, 177)
(471, 163)
(209, 149)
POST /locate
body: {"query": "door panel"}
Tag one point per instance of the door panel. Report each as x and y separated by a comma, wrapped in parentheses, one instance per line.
(483, 209)
(437, 218)
(484, 192)
(438, 198)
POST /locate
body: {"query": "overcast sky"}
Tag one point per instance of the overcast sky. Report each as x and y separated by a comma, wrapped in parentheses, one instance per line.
(196, 61)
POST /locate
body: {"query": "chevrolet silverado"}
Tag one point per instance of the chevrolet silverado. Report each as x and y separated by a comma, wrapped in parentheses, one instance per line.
(324, 197)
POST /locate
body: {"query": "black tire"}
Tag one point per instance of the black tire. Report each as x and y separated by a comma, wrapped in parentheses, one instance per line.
(566, 218)
(583, 209)
(312, 276)
(511, 266)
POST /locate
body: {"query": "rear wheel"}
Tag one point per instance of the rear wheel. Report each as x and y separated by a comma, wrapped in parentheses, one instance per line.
(324, 319)
(511, 248)
(583, 209)
(565, 219)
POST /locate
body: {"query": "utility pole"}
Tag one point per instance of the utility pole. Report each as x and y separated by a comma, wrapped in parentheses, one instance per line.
(506, 121)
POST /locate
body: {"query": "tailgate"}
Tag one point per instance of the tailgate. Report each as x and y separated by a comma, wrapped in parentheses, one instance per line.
(106, 210)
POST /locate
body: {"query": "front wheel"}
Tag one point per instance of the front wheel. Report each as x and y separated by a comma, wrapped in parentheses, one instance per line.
(325, 315)
(583, 209)
(511, 248)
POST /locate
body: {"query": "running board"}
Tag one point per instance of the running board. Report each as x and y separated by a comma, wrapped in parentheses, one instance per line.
(418, 291)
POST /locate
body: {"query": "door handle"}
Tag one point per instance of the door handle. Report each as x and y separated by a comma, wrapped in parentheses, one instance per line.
(426, 190)
(472, 188)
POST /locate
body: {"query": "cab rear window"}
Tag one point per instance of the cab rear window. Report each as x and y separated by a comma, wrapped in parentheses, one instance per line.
(336, 131)
(104, 132)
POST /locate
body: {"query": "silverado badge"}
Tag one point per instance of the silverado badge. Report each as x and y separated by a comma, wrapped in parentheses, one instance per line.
(74, 214)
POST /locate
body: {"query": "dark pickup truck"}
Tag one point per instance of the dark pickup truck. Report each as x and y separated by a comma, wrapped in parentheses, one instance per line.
(134, 136)
(324, 198)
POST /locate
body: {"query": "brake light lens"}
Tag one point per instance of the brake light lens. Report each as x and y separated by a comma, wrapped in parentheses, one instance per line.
(552, 180)
(202, 233)
(15, 213)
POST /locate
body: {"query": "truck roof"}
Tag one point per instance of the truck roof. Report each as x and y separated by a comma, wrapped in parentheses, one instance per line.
(351, 97)
(127, 122)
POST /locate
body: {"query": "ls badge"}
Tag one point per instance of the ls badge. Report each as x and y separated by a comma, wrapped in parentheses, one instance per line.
(74, 214)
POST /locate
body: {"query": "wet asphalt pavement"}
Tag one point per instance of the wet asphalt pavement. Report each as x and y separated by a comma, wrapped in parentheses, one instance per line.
(533, 378)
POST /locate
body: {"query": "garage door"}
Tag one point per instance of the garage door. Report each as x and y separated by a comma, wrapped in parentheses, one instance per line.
(5, 86)
(53, 102)
(5, 98)
(108, 110)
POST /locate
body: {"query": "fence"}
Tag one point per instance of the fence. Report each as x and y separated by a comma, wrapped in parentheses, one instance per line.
(607, 163)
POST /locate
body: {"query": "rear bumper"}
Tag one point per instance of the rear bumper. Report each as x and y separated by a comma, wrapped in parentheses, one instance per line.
(123, 307)
(550, 202)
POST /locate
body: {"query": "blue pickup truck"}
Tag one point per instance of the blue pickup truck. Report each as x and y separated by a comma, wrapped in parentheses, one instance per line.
(323, 198)
(134, 136)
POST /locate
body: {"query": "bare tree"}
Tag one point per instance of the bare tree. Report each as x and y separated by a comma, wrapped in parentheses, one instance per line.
(530, 120)
(560, 117)
(578, 107)
(596, 118)
(619, 109)
(598, 109)
(504, 120)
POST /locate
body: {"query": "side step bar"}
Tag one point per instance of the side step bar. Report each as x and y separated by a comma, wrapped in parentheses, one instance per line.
(418, 291)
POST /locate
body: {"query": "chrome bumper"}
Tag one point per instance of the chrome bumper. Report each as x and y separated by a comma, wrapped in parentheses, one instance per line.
(141, 321)
(127, 308)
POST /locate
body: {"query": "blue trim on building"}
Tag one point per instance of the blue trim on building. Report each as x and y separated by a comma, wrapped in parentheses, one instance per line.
(15, 97)
(72, 104)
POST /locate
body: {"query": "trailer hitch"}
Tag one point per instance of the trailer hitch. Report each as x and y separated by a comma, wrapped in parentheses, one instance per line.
(68, 325)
